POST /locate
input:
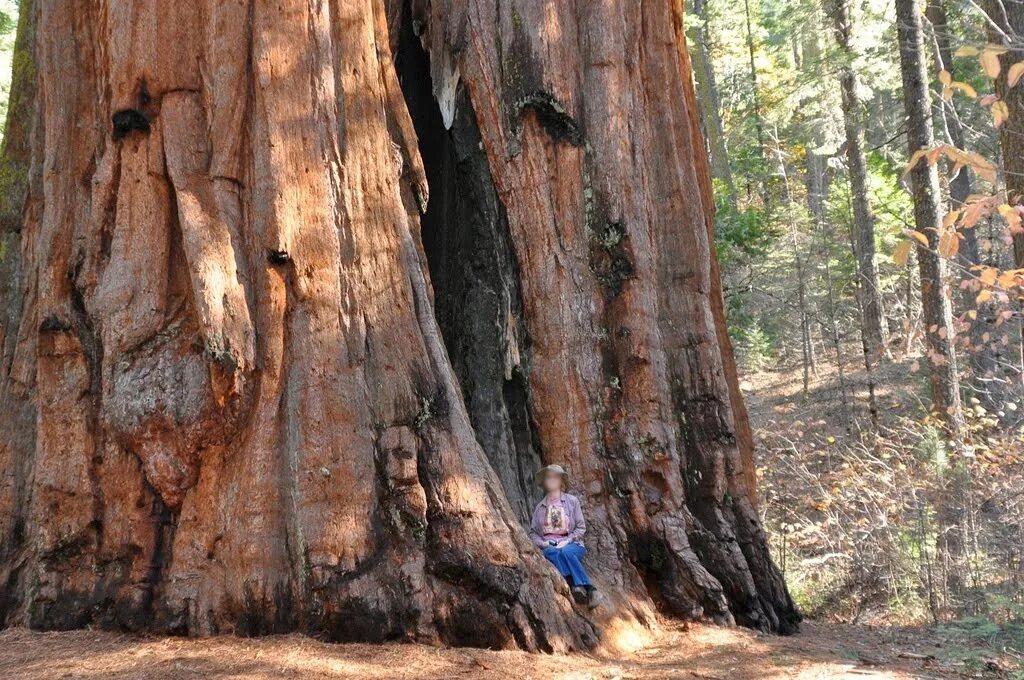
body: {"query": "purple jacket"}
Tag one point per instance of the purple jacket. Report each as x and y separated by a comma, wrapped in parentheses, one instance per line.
(574, 521)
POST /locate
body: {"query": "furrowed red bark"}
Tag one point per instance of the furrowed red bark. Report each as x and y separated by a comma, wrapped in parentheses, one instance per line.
(241, 412)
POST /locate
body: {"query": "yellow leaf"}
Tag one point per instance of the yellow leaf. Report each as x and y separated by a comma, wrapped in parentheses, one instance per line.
(983, 297)
(1009, 214)
(954, 154)
(990, 63)
(971, 215)
(949, 244)
(950, 218)
(1014, 73)
(996, 49)
(1007, 280)
(965, 88)
(933, 155)
(915, 159)
(921, 238)
(1000, 112)
(966, 51)
(984, 167)
(989, 275)
(945, 78)
(901, 253)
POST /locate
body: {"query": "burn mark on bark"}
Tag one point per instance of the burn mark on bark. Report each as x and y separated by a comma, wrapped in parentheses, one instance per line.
(55, 324)
(165, 522)
(127, 121)
(609, 259)
(354, 620)
(552, 116)
(525, 91)
(475, 277)
(278, 258)
(433, 404)
(258, 616)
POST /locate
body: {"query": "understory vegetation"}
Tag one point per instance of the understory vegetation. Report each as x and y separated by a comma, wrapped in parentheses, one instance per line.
(886, 504)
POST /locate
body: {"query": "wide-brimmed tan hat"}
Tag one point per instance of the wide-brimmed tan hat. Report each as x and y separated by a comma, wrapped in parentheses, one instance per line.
(556, 469)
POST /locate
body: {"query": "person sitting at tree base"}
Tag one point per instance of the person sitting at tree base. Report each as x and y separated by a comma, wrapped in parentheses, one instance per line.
(557, 529)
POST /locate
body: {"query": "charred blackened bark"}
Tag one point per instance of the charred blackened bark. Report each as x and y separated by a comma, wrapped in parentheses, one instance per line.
(238, 408)
(475, 277)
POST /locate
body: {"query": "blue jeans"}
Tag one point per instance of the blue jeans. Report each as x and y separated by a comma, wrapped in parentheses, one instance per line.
(568, 561)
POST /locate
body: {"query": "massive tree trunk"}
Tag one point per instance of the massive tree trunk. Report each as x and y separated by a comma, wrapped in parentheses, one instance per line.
(924, 179)
(869, 290)
(232, 405)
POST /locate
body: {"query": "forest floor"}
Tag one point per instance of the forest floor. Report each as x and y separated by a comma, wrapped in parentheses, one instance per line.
(832, 650)
(821, 650)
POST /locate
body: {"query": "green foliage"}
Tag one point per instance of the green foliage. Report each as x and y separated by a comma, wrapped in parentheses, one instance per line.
(931, 448)
(974, 640)
(755, 344)
(741, 233)
(858, 524)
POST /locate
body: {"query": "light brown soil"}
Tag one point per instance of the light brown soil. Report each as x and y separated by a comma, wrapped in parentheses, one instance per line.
(700, 653)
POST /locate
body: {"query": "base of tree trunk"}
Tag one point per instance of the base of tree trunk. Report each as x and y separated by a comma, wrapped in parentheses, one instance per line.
(244, 393)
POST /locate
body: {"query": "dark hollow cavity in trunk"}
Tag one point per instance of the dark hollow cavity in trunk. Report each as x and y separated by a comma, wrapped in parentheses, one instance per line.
(475, 278)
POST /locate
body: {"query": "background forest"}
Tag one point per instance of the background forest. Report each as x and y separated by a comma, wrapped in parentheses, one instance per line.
(887, 412)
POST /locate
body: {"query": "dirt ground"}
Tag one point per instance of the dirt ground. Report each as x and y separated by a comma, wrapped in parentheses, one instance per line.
(700, 653)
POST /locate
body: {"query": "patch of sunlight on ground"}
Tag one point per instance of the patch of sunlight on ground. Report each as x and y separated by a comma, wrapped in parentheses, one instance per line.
(626, 636)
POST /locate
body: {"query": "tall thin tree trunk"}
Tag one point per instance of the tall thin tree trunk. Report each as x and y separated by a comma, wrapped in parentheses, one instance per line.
(816, 179)
(232, 379)
(928, 214)
(833, 330)
(980, 359)
(960, 185)
(869, 289)
(806, 349)
(709, 99)
(754, 87)
(958, 482)
(1009, 17)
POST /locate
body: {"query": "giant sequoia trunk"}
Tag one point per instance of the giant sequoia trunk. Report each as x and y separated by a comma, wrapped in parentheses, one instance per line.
(233, 398)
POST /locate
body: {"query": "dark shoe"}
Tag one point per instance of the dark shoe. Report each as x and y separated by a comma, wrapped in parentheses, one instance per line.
(579, 594)
(593, 598)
